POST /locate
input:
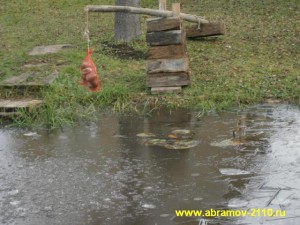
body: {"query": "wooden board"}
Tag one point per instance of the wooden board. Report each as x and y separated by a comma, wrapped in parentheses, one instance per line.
(168, 79)
(167, 65)
(209, 29)
(165, 90)
(42, 50)
(30, 80)
(167, 52)
(172, 37)
(10, 107)
(163, 24)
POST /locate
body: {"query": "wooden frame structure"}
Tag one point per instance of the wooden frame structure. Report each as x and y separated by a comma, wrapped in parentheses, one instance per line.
(167, 63)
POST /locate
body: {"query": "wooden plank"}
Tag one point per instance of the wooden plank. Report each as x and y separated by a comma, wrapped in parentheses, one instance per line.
(29, 80)
(161, 24)
(168, 79)
(167, 65)
(10, 107)
(167, 52)
(165, 90)
(209, 29)
(172, 37)
(20, 103)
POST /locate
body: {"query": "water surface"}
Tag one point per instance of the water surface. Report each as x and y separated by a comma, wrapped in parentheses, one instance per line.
(102, 173)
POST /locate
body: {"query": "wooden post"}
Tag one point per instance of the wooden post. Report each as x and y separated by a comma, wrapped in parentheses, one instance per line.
(162, 4)
(176, 9)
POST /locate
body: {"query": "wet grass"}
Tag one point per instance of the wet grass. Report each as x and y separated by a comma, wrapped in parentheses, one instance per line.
(257, 59)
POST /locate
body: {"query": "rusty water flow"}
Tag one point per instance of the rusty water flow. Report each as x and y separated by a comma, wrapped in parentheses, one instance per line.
(101, 173)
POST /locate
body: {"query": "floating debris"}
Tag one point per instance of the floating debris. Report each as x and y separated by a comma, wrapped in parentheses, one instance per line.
(148, 206)
(233, 172)
(181, 134)
(237, 203)
(14, 203)
(155, 142)
(30, 134)
(227, 143)
(181, 144)
(145, 135)
(198, 199)
(120, 136)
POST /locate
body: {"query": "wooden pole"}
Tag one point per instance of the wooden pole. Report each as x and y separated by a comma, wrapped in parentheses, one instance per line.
(162, 5)
(146, 11)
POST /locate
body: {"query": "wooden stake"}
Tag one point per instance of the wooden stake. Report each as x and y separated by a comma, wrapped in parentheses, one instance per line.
(162, 4)
(176, 9)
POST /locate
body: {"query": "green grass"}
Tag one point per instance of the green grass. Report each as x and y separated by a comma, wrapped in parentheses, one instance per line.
(257, 59)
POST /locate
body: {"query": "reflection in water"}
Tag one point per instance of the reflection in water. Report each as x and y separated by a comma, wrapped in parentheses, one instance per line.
(101, 173)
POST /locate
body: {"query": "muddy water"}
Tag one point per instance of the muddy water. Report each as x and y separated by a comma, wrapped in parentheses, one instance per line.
(102, 173)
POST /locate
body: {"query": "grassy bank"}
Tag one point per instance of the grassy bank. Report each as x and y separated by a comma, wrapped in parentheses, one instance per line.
(257, 59)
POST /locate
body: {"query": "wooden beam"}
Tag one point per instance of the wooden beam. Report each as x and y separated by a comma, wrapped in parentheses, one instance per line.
(167, 65)
(146, 11)
(209, 29)
(172, 37)
(161, 24)
(166, 52)
(168, 79)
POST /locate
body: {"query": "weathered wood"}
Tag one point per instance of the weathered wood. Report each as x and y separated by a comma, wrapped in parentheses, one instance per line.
(29, 80)
(168, 79)
(42, 50)
(10, 107)
(160, 24)
(165, 90)
(172, 37)
(176, 9)
(167, 65)
(167, 52)
(146, 11)
(209, 29)
(162, 5)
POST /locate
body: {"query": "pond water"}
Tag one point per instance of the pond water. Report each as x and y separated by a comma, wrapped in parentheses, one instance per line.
(105, 173)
